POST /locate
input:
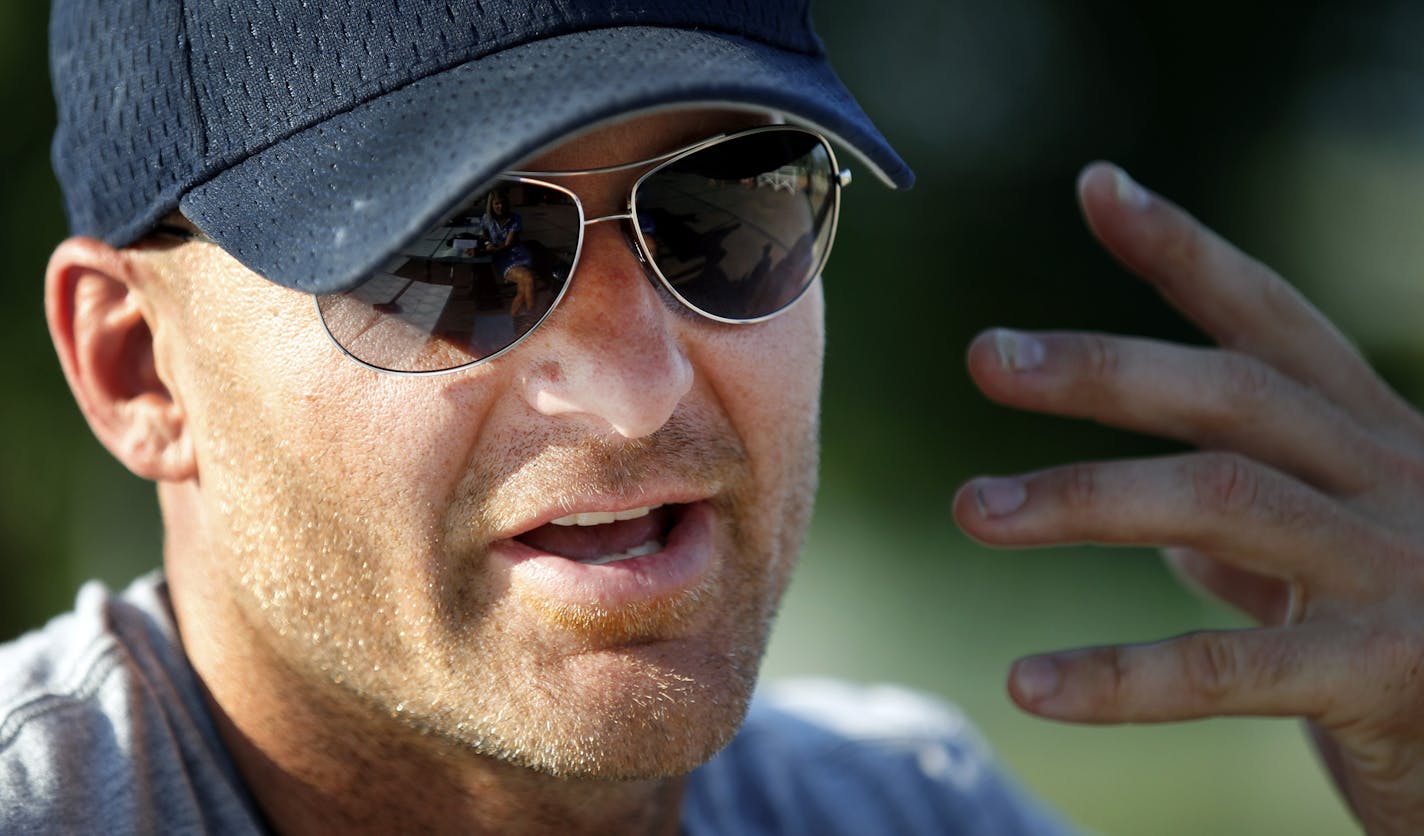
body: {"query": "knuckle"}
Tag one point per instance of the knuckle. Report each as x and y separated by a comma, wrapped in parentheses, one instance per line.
(1080, 486)
(1183, 247)
(1119, 675)
(1224, 484)
(1112, 677)
(1246, 382)
(1212, 666)
(1102, 358)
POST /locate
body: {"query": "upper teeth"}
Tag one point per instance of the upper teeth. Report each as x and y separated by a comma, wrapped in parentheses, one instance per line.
(604, 517)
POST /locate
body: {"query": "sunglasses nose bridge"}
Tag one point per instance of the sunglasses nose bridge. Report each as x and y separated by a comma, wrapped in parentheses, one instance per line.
(615, 356)
(621, 216)
(630, 237)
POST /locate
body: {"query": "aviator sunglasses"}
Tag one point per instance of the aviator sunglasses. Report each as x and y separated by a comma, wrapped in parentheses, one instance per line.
(735, 228)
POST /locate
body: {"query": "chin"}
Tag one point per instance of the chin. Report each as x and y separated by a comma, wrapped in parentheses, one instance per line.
(640, 713)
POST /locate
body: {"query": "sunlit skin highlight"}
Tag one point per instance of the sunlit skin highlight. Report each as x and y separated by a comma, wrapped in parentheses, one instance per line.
(329, 559)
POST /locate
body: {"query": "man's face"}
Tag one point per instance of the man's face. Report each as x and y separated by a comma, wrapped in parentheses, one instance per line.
(391, 539)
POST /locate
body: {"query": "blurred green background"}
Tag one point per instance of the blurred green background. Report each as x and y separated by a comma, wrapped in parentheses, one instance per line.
(1295, 129)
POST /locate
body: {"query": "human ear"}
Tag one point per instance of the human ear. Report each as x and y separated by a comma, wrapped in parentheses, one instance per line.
(102, 323)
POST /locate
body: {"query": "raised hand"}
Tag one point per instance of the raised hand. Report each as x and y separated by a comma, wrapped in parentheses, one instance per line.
(1302, 506)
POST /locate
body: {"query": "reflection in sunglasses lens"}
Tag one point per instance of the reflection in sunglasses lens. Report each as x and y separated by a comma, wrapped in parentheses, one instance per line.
(467, 288)
(740, 229)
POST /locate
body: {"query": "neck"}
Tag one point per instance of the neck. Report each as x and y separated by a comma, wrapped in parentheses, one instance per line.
(316, 759)
(317, 783)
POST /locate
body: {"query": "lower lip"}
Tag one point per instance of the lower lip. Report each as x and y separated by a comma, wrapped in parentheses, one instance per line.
(681, 565)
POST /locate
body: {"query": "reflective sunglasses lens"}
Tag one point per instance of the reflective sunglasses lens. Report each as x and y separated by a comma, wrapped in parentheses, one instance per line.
(740, 229)
(466, 289)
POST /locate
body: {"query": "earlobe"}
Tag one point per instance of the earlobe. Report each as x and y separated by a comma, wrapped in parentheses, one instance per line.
(102, 325)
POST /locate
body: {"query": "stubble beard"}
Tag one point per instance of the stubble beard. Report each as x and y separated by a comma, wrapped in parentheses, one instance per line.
(411, 629)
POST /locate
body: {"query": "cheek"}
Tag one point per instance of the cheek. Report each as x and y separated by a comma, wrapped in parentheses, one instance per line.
(770, 386)
(394, 449)
(768, 375)
(275, 403)
(767, 380)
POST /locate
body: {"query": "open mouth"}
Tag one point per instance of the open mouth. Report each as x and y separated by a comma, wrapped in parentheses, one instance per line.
(613, 559)
(601, 537)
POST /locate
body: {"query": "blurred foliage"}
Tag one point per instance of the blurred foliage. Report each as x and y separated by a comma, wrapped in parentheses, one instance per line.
(1294, 129)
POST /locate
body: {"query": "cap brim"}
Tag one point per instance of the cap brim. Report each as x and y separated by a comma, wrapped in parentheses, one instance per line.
(322, 209)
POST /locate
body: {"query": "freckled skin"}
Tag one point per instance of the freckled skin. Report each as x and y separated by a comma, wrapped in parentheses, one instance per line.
(329, 561)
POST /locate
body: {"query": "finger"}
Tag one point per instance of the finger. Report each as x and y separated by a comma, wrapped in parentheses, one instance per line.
(1210, 398)
(1297, 671)
(1265, 599)
(1241, 511)
(1239, 302)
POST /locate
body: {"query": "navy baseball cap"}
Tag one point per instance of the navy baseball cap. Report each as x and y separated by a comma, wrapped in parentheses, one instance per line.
(310, 139)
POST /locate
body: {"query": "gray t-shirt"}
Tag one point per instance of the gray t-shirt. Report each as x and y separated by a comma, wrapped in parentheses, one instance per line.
(103, 729)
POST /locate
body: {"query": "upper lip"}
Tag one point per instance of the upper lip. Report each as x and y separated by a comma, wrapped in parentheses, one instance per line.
(649, 497)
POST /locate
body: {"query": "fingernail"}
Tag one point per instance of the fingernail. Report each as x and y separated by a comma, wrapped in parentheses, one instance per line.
(1037, 678)
(1130, 194)
(999, 497)
(1018, 352)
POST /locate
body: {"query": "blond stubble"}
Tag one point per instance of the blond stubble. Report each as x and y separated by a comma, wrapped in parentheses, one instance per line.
(385, 595)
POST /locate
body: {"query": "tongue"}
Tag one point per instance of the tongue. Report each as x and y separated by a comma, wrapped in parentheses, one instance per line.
(587, 542)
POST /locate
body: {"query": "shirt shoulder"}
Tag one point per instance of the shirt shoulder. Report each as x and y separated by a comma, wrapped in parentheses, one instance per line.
(103, 727)
(829, 757)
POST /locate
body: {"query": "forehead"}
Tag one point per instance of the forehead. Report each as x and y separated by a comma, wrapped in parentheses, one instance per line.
(641, 136)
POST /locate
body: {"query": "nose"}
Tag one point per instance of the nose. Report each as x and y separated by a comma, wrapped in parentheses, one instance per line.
(612, 353)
